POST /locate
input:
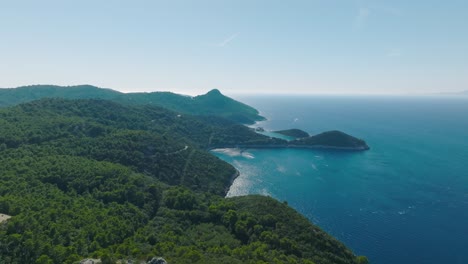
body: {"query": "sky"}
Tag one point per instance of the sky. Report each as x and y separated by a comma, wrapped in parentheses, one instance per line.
(237, 46)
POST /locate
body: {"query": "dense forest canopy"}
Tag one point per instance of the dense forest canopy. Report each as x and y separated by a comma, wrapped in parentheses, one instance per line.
(94, 178)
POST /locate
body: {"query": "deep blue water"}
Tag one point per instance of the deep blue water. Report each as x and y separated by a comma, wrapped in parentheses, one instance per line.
(403, 201)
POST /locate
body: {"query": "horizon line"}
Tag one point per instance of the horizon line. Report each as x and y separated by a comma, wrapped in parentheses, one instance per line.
(246, 93)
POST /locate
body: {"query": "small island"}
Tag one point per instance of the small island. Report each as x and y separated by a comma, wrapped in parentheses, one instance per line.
(327, 140)
(294, 132)
(333, 140)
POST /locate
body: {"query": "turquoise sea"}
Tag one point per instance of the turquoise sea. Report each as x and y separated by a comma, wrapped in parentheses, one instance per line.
(403, 201)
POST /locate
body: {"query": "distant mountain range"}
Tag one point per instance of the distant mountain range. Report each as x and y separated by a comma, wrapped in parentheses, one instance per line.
(211, 103)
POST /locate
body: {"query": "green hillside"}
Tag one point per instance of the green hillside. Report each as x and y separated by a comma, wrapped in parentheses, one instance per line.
(212, 103)
(94, 178)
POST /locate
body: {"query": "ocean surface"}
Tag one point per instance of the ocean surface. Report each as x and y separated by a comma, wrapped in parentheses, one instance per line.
(403, 201)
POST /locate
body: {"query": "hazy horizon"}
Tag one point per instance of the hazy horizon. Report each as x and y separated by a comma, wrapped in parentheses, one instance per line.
(254, 93)
(300, 47)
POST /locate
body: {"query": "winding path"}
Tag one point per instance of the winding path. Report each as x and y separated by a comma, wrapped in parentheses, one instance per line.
(177, 151)
(182, 179)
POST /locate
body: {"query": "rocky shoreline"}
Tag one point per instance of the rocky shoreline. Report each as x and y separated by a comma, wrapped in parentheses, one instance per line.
(231, 181)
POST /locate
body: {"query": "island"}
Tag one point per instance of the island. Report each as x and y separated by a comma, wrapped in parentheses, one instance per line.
(294, 132)
(238, 136)
(332, 140)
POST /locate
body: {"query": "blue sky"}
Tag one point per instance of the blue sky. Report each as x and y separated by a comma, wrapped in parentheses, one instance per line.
(238, 46)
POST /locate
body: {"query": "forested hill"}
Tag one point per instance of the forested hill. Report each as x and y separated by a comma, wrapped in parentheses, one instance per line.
(332, 139)
(94, 178)
(212, 103)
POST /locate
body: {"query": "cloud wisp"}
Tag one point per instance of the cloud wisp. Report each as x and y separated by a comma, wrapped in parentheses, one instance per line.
(227, 40)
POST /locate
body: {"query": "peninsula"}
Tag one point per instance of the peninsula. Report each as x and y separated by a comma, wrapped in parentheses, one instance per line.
(223, 117)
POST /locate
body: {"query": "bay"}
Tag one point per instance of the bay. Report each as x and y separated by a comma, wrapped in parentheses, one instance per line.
(403, 201)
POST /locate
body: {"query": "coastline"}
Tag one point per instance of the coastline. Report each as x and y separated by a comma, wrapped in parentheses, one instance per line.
(231, 181)
(285, 146)
(245, 147)
(325, 147)
(269, 146)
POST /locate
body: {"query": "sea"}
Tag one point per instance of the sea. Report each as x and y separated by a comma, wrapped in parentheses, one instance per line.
(403, 201)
